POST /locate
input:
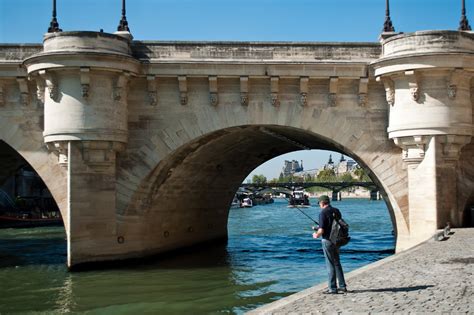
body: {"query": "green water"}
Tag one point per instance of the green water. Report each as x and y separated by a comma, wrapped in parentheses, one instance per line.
(270, 254)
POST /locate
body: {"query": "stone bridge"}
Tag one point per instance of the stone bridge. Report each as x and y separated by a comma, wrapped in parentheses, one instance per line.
(143, 144)
(334, 187)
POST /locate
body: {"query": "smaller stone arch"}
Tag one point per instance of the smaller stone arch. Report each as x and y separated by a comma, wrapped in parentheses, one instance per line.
(13, 161)
(465, 185)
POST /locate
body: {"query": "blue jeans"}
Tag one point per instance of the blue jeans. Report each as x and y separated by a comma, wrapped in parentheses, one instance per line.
(333, 265)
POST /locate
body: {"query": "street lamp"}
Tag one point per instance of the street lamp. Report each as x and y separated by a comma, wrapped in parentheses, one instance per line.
(54, 25)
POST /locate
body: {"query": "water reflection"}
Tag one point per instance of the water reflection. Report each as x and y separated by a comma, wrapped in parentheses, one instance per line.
(65, 300)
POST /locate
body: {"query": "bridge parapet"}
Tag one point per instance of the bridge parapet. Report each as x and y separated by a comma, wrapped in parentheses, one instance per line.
(255, 51)
(425, 43)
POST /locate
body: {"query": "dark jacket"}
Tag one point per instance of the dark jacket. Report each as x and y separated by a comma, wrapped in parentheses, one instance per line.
(326, 216)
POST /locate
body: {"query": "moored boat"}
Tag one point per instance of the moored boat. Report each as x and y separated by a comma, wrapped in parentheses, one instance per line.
(298, 199)
(28, 212)
(8, 221)
(262, 199)
(235, 203)
(246, 203)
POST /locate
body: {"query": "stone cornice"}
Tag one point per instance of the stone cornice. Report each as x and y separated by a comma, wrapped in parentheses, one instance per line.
(393, 65)
(117, 62)
(11, 70)
(236, 69)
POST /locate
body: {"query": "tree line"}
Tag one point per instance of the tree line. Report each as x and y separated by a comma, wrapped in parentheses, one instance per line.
(325, 175)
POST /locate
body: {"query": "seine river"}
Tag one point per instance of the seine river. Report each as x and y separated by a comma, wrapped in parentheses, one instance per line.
(270, 254)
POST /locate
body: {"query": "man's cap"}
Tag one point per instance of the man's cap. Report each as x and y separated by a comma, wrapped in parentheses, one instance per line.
(324, 198)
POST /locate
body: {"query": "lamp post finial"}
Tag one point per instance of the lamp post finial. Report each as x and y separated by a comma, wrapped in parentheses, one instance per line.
(464, 23)
(123, 24)
(54, 25)
(387, 25)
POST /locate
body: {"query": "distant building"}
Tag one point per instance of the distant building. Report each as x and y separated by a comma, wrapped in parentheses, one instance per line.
(345, 166)
(292, 167)
(329, 164)
(25, 182)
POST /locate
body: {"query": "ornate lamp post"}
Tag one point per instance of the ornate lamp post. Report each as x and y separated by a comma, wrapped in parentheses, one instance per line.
(464, 23)
(54, 25)
(123, 24)
(387, 25)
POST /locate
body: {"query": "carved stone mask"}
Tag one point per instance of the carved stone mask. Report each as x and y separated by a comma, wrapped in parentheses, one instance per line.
(415, 95)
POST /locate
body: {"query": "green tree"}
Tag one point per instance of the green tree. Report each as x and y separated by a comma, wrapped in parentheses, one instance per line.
(361, 174)
(346, 177)
(298, 179)
(326, 175)
(259, 179)
(273, 181)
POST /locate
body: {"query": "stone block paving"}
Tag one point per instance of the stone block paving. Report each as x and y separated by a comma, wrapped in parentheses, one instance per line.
(434, 277)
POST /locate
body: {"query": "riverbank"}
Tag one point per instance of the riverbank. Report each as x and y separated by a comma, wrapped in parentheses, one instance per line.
(435, 276)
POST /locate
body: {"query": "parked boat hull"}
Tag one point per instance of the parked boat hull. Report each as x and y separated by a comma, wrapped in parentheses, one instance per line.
(11, 222)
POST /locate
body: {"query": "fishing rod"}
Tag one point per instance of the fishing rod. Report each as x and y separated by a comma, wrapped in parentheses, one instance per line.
(304, 213)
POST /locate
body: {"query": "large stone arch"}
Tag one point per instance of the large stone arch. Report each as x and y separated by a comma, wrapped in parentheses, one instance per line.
(234, 139)
(230, 154)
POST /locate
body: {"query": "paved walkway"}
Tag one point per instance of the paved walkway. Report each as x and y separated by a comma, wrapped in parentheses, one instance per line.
(433, 277)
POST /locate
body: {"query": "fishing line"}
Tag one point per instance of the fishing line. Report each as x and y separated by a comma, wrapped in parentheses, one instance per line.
(304, 213)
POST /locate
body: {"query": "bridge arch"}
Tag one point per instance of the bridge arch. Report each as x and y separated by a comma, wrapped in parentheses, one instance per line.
(195, 183)
(12, 161)
(14, 154)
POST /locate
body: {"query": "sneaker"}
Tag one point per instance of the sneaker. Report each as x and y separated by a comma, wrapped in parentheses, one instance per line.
(329, 292)
(343, 290)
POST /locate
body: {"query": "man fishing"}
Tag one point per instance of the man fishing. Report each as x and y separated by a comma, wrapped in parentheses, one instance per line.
(331, 251)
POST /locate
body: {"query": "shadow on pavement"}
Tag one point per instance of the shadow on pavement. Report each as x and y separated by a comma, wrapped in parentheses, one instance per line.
(401, 289)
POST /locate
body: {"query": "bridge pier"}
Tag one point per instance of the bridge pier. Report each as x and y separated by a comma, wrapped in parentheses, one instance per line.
(85, 125)
(374, 194)
(91, 202)
(336, 196)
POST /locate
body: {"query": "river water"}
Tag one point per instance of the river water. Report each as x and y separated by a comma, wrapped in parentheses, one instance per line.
(270, 254)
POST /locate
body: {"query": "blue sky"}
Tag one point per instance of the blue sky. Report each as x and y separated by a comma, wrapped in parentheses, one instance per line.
(256, 20)
(25, 21)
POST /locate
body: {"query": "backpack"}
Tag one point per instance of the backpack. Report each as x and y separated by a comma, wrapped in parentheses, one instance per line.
(339, 230)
